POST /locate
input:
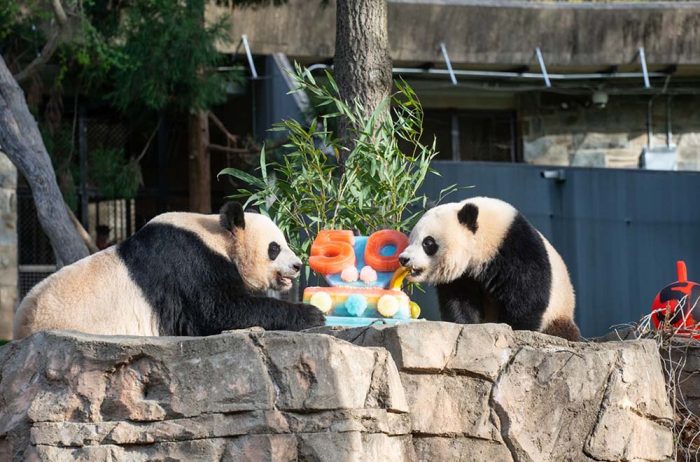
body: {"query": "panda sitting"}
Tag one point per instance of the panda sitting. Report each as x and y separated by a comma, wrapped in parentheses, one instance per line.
(181, 274)
(490, 265)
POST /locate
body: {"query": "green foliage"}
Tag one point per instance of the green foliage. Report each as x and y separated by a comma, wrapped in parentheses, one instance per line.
(140, 54)
(18, 19)
(374, 186)
(154, 53)
(115, 176)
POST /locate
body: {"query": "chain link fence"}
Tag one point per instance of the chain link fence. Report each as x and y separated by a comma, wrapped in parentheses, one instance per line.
(108, 221)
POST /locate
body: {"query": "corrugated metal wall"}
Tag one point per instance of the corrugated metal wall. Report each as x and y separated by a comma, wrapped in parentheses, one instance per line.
(619, 231)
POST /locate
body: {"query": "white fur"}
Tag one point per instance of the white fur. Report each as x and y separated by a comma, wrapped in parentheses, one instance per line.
(460, 250)
(97, 295)
(562, 300)
(94, 295)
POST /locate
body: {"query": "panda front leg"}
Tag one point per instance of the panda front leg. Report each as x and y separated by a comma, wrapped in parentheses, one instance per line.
(251, 311)
(461, 301)
(274, 314)
(460, 311)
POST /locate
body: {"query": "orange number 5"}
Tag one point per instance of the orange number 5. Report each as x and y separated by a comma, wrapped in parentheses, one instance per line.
(332, 251)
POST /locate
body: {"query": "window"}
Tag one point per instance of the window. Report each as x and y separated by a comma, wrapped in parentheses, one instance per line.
(472, 135)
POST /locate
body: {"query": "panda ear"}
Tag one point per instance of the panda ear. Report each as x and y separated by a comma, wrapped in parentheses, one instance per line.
(232, 216)
(468, 215)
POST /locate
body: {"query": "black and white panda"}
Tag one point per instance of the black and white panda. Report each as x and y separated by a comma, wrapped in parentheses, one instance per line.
(490, 265)
(181, 274)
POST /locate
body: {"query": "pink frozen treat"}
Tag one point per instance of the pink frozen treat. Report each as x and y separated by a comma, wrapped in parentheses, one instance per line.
(367, 274)
(349, 274)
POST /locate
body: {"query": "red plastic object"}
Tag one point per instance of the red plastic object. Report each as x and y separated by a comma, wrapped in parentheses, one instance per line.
(679, 304)
(377, 241)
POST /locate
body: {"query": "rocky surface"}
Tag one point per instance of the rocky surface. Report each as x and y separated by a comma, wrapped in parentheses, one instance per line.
(424, 391)
(484, 392)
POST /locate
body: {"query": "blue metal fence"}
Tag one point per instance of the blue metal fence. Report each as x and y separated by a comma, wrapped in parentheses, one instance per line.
(619, 231)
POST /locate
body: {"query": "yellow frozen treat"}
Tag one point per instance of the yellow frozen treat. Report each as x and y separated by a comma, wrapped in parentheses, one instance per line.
(415, 309)
(322, 301)
(388, 305)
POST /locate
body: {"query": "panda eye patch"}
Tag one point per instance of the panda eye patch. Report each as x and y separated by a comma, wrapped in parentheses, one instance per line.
(430, 247)
(273, 250)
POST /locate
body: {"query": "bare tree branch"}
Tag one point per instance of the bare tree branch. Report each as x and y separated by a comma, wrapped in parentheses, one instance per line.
(21, 141)
(50, 46)
(230, 137)
(84, 235)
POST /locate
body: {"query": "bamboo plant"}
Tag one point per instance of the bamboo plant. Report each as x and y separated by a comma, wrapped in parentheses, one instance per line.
(319, 184)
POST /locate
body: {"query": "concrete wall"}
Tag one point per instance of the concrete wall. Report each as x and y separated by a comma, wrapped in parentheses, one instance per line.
(566, 130)
(8, 245)
(487, 32)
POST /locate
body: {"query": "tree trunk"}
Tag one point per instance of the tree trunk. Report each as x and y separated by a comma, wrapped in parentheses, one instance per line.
(362, 64)
(200, 165)
(21, 141)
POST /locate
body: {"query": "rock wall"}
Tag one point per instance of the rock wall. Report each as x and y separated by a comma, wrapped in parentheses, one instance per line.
(487, 393)
(8, 245)
(424, 391)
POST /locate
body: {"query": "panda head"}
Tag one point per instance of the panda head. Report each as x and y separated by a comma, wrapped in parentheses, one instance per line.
(455, 238)
(260, 250)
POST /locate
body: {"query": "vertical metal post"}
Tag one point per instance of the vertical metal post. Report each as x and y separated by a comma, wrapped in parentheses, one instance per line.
(454, 132)
(645, 72)
(543, 68)
(83, 156)
(650, 106)
(254, 74)
(513, 138)
(669, 134)
(446, 57)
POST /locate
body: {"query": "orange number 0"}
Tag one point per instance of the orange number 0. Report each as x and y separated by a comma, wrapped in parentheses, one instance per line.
(377, 241)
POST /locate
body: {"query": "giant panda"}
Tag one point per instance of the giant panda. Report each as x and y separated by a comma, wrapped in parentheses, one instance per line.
(181, 274)
(490, 265)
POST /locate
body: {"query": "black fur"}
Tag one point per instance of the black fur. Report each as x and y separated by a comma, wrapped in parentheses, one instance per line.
(468, 215)
(195, 291)
(518, 281)
(232, 216)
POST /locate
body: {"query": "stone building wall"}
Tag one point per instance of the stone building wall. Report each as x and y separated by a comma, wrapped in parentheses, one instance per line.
(568, 130)
(8, 245)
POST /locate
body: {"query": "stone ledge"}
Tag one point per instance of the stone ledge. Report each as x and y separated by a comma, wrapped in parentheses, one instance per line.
(419, 391)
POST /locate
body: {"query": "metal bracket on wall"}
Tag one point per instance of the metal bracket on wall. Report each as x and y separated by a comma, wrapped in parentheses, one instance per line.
(249, 55)
(443, 50)
(645, 72)
(543, 68)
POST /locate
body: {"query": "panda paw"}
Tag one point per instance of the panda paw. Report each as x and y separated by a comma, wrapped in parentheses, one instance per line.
(310, 316)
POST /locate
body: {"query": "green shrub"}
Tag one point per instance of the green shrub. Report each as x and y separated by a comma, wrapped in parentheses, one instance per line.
(319, 184)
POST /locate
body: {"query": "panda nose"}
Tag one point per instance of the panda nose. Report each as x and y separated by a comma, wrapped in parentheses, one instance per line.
(296, 267)
(404, 261)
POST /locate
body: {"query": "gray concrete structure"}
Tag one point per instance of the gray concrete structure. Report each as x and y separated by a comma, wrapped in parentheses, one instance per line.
(501, 97)
(503, 33)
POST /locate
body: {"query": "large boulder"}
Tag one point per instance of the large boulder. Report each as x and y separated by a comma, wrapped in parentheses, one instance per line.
(485, 392)
(419, 391)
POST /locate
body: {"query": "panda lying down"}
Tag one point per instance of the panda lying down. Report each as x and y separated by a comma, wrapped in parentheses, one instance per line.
(181, 274)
